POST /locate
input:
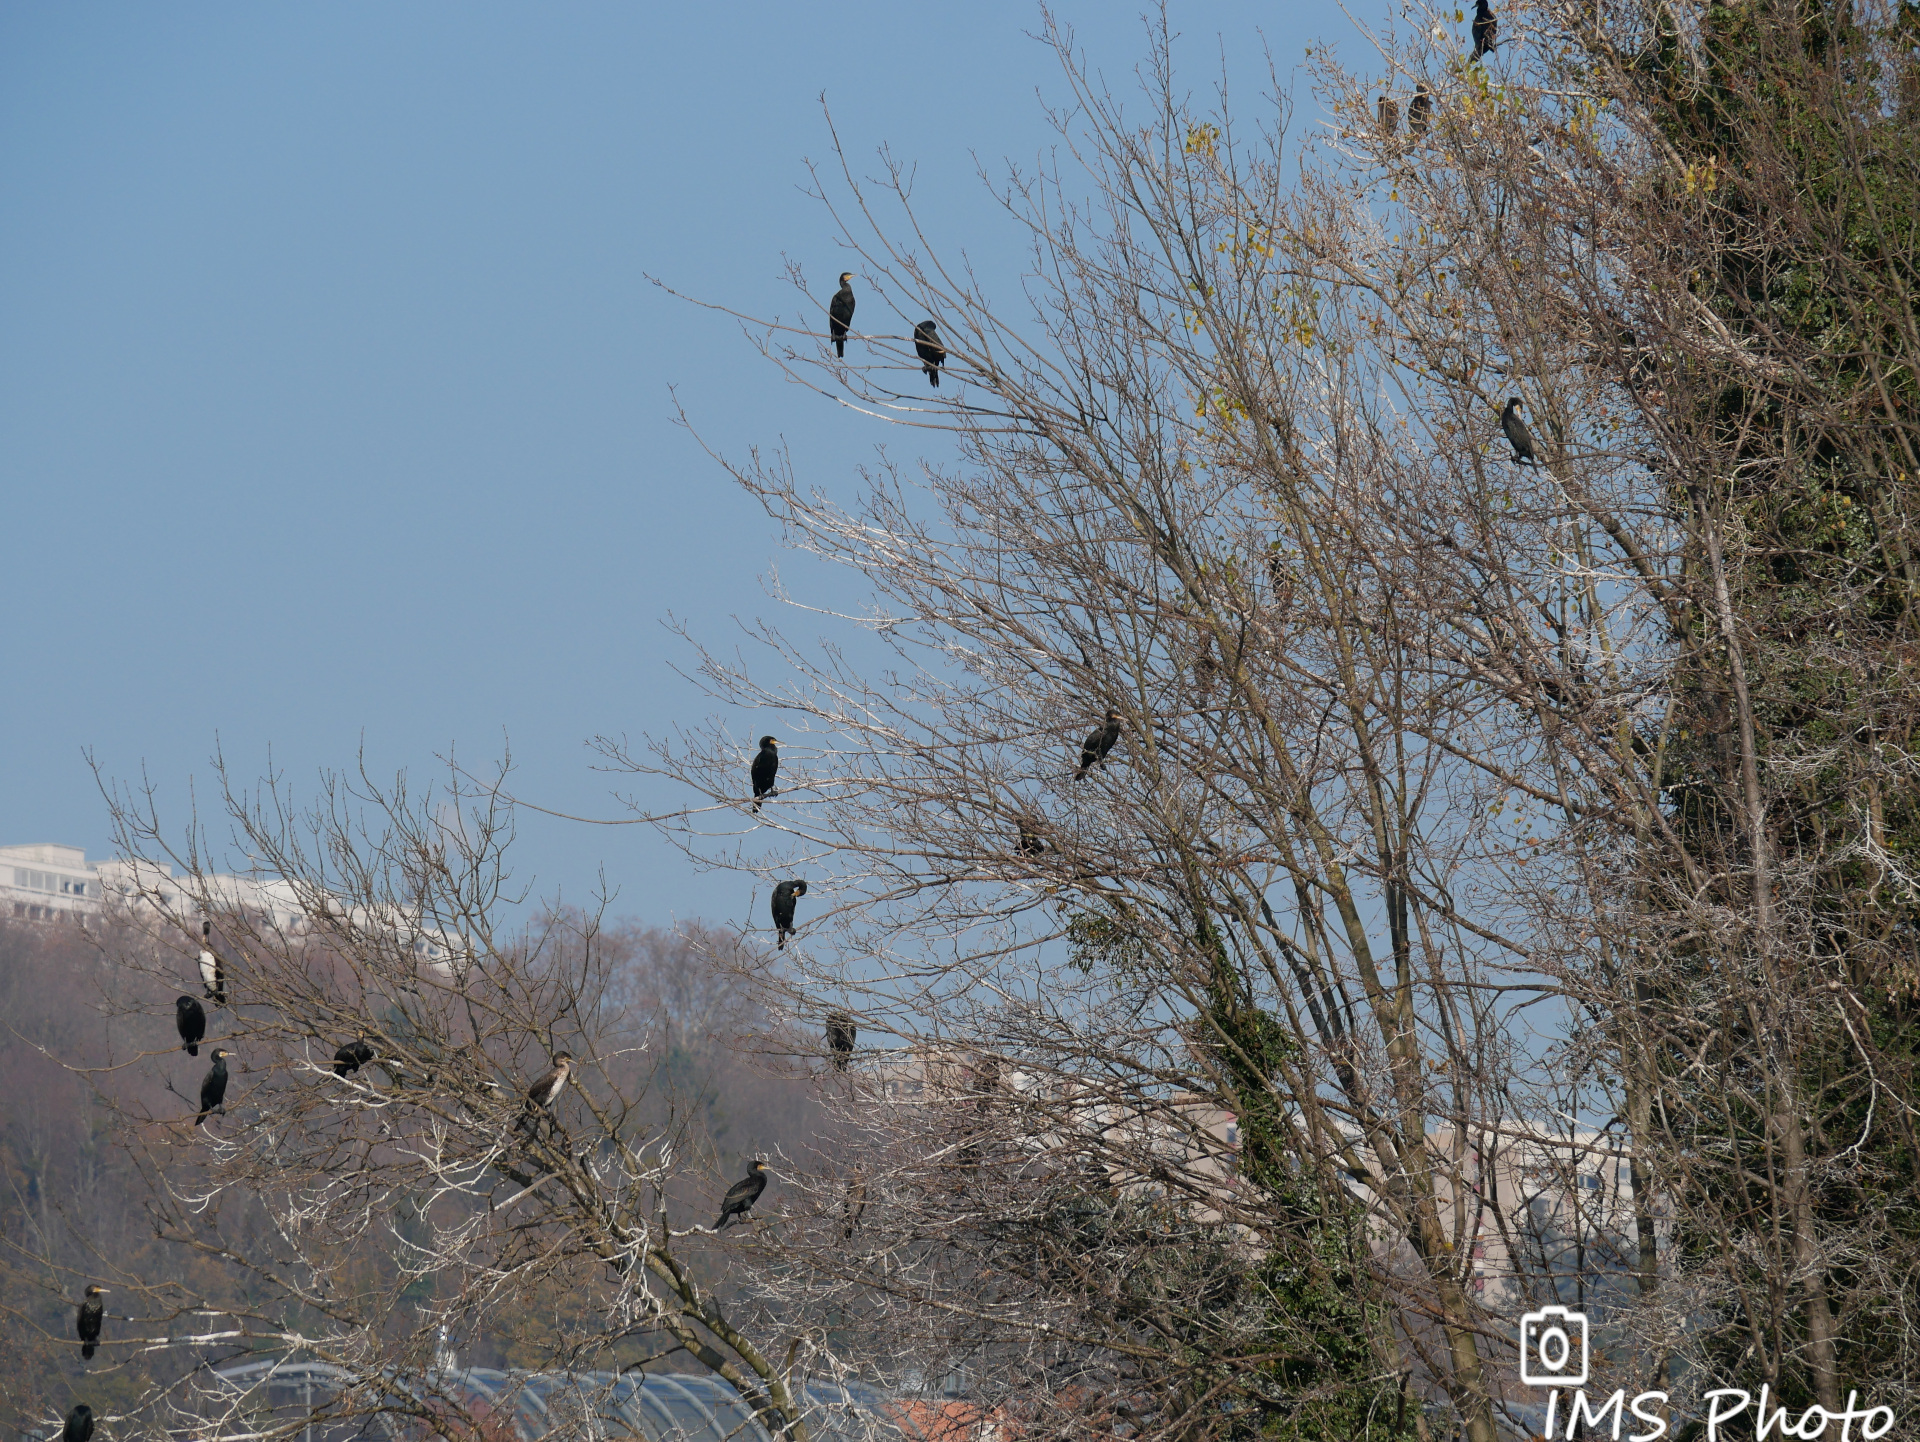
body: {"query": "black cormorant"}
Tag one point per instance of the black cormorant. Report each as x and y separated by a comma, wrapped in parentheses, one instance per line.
(79, 1424)
(840, 314)
(1485, 27)
(351, 1057)
(1097, 745)
(785, 893)
(742, 1194)
(86, 1321)
(1389, 112)
(765, 769)
(841, 1034)
(1518, 436)
(212, 975)
(1031, 842)
(213, 1087)
(1420, 113)
(191, 1019)
(933, 355)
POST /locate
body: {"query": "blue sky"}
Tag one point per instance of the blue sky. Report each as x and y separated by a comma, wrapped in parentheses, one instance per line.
(334, 400)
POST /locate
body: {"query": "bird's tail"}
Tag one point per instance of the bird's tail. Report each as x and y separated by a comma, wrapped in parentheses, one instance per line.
(86, 1352)
(192, 1050)
(721, 1222)
(840, 349)
(200, 1120)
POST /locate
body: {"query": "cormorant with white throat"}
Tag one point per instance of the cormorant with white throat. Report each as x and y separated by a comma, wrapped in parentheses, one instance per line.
(785, 893)
(742, 1195)
(765, 769)
(213, 1087)
(86, 1321)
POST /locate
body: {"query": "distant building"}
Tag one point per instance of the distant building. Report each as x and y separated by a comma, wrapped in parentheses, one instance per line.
(46, 882)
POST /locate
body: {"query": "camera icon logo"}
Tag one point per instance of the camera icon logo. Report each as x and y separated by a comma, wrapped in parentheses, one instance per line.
(1553, 1348)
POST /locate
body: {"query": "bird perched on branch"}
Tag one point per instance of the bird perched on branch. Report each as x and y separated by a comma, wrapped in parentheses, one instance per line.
(1389, 112)
(543, 1092)
(1098, 744)
(1030, 842)
(1420, 112)
(765, 769)
(212, 975)
(855, 1204)
(1485, 27)
(840, 314)
(742, 1195)
(841, 1034)
(1518, 436)
(213, 1087)
(87, 1320)
(785, 893)
(79, 1424)
(190, 1019)
(933, 355)
(351, 1057)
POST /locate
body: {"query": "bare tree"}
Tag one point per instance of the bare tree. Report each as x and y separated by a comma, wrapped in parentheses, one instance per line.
(1444, 828)
(393, 1172)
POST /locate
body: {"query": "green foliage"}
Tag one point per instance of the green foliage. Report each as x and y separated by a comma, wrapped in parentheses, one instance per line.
(1806, 246)
(1277, 1338)
(1097, 941)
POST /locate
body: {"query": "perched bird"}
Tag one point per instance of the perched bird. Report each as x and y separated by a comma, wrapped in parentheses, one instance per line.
(841, 1034)
(1420, 113)
(87, 1320)
(856, 1202)
(1389, 111)
(785, 893)
(191, 1020)
(212, 976)
(543, 1092)
(986, 1078)
(1485, 27)
(1518, 436)
(840, 314)
(742, 1194)
(1206, 667)
(1031, 842)
(213, 1087)
(765, 769)
(79, 1424)
(351, 1057)
(933, 355)
(1098, 744)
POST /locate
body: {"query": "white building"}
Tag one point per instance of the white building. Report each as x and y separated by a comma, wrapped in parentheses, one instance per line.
(49, 882)
(45, 881)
